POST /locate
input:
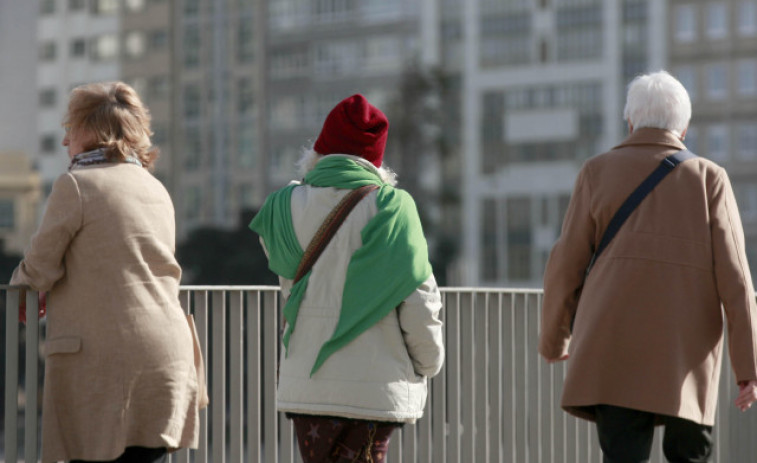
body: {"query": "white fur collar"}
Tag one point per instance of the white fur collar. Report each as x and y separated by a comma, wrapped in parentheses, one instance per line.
(310, 158)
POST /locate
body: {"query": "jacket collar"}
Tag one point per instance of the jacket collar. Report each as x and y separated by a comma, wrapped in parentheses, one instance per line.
(652, 136)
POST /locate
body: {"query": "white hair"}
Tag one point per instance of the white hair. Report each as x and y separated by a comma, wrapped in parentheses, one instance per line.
(310, 158)
(658, 100)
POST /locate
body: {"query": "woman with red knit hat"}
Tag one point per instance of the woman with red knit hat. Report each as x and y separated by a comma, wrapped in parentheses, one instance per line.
(362, 331)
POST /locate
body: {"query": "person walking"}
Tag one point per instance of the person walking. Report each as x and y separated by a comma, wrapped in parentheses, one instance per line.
(362, 333)
(642, 330)
(121, 378)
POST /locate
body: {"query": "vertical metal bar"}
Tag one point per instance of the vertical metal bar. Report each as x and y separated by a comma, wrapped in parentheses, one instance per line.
(530, 360)
(11, 375)
(480, 373)
(270, 350)
(182, 456)
(286, 439)
(423, 426)
(494, 348)
(409, 443)
(395, 447)
(218, 402)
(32, 376)
(453, 375)
(468, 366)
(508, 368)
(438, 403)
(201, 321)
(236, 399)
(254, 434)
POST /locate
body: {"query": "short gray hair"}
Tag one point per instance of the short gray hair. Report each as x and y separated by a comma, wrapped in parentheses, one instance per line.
(658, 100)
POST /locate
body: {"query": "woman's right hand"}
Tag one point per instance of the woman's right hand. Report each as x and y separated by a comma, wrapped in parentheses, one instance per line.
(41, 307)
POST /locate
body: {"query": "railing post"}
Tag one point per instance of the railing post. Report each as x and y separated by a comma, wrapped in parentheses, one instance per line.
(11, 375)
(218, 391)
(32, 377)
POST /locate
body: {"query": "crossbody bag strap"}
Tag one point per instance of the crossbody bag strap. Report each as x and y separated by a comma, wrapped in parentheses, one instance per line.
(666, 166)
(328, 229)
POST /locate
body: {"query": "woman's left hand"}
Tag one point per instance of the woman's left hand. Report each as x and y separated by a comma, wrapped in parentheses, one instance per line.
(747, 394)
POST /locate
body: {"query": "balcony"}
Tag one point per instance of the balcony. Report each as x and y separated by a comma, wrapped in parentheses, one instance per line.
(495, 400)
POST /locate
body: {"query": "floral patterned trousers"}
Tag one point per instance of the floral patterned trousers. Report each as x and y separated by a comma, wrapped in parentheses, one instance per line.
(338, 440)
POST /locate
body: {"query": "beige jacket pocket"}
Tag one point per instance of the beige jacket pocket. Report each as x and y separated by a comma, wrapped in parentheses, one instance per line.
(67, 345)
(202, 388)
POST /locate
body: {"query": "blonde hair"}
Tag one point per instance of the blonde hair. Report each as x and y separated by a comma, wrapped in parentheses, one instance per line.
(115, 118)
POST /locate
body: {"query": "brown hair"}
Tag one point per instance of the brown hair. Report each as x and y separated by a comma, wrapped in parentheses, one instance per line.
(116, 119)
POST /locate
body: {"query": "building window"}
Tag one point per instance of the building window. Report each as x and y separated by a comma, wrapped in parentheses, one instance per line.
(159, 134)
(717, 20)
(747, 77)
(247, 148)
(685, 29)
(287, 64)
(332, 10)
(246, 43)
(192, 148)
(246, 96)
(135, 44)
(135, 5)
(489, 240)
(518, 239)
(47, 7)
(692, 139)
(192, 46)
(579, 32)
(717, 143)
(192, 203)
(191, 7)
(78, 48)
(336, 58)
(104, 47)
(47, 97)
(158, 87)
(7, 214)
(158, 39)
(687, 75)
(717, 81)
(47, 51)
(192, 101)
(76, 5)
(48, 143)
(747, 17)
(746, 141)
(102, 7)
(746, 195)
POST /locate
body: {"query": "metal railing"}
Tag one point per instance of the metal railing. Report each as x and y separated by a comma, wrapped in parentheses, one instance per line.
(495, 400)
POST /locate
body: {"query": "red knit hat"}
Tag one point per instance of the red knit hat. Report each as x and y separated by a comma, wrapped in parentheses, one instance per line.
(354, 127)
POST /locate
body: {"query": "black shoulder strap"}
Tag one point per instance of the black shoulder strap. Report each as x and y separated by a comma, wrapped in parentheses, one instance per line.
(666, 166)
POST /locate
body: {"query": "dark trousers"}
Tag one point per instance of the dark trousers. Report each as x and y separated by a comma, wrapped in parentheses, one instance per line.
(625, 436)
(136, 455)
(328, 439)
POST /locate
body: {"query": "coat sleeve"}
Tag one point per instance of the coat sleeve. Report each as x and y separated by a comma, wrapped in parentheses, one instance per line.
(43, 264)
(733, 278)
(422, 328)
(565, 271)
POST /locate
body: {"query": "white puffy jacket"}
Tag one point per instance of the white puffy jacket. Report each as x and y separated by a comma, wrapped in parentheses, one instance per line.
(380, 375)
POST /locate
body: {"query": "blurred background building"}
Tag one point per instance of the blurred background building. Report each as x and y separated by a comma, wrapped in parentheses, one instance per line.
(493, 104)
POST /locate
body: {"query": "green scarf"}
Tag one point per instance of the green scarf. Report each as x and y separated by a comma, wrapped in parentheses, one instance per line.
(391, 263)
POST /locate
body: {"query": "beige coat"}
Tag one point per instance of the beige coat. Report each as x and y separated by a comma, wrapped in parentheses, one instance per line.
(119, 365)
(648, 333)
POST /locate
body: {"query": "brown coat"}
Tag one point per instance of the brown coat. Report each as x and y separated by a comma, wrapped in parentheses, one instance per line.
(648, 333)
(120, 362)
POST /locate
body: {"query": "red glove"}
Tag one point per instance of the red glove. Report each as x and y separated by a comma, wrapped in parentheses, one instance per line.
(42, 307)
